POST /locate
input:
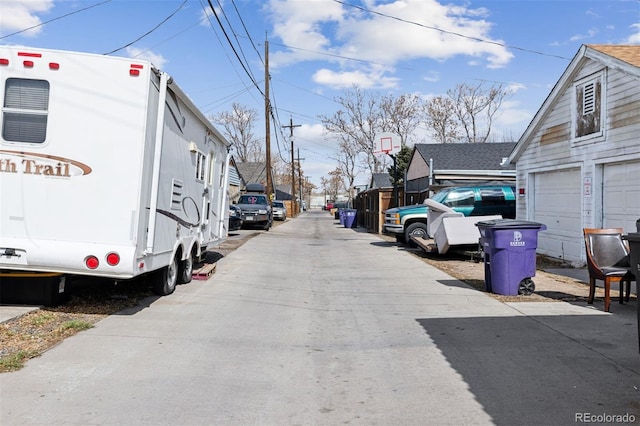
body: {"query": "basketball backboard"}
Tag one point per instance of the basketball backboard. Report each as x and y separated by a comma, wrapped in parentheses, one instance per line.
(386, 143)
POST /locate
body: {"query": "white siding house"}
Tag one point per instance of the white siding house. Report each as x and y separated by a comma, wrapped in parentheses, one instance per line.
(578, 162)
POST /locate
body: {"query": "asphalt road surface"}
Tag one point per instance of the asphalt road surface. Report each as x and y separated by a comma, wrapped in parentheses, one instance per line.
(311, 323)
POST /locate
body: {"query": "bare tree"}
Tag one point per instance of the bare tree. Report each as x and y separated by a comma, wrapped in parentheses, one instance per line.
(440, 119)
(332, 184)
(400, 116)
(347, 158)
(357, 124)
(237, 126)
(475, 106)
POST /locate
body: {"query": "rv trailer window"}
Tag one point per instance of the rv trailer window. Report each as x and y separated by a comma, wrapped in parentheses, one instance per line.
(200, 165)
(25, 109)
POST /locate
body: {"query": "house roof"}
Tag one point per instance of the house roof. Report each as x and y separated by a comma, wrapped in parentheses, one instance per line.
(625, 58)
(252, 172)
(466, 156)
(381, 180)
(283, 192)
(628, 53)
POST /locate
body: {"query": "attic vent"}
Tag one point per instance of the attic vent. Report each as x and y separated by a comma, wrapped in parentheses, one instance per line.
(176, 194)
(589, 99)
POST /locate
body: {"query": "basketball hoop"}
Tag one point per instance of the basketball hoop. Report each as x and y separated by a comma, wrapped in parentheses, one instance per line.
(386, 143)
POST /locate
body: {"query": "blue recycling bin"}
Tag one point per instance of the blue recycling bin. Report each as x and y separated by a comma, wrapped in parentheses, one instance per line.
(350, 218)
(341, 216)
(509, 255)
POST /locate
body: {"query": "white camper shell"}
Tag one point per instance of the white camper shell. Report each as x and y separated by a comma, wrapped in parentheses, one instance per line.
(106, 169)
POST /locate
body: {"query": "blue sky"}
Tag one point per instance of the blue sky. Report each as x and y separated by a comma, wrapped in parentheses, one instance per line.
(319, 48)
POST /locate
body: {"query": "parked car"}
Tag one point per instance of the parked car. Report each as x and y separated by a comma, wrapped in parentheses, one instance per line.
(255, 207)
(235, 218)
(340, 205)
(411, 221)
(279, 210)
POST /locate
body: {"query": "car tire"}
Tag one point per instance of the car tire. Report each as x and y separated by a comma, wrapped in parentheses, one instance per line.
(416, 230)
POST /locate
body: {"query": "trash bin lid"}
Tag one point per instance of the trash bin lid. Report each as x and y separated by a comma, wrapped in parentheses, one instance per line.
(509, 223)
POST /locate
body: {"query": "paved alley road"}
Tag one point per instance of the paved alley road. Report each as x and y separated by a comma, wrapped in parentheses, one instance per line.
(314, 324)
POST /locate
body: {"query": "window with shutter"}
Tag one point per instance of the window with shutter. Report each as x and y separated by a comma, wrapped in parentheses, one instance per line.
(589, 109)
(25, 110)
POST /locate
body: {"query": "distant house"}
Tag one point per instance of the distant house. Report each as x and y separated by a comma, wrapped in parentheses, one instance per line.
(252, 172)
(380, 180)
(235, 183)
(283, 192)
(578, 161)
(436, 166)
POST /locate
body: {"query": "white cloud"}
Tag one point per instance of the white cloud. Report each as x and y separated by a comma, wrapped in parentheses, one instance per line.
(590, 34)
(397, 31)
(16, 15)
(635, 37)
(346, 79)
(432, 76)
(157, 60)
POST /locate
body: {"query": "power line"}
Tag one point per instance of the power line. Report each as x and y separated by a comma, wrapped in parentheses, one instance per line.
(55, 19)
(235, 35)
(224, 31)
(150, 31)
(246, 31)
(448, 32)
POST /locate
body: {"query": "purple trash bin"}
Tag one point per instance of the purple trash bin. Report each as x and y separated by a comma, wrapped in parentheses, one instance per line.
(349, 218)
(510, 255)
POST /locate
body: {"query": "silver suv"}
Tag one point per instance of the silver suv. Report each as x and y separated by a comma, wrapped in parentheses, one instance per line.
(279, 210)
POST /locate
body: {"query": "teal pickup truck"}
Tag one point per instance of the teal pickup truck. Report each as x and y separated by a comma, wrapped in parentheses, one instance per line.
(411, 221)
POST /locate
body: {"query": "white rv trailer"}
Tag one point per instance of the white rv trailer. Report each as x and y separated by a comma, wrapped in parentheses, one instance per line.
(107, 169)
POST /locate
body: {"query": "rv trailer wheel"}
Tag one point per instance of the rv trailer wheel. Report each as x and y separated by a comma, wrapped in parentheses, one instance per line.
(185, 270)
(165, 279)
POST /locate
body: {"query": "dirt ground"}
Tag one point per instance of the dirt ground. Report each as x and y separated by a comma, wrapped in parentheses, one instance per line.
(548, 287)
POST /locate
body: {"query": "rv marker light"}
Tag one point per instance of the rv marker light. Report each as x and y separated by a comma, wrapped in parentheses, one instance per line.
(91, 262)
(113, 259)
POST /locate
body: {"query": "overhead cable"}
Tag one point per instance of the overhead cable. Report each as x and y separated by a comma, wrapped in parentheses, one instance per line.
(149, 32)
(449, 32)
(224, 31)
(55, 19)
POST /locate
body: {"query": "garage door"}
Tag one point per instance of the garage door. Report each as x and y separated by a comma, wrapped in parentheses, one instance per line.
(557, 204)
(621, 195)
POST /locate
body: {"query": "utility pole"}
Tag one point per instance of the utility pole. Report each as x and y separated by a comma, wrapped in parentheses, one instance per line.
(293, 168)
(267, 117)
(300, 177)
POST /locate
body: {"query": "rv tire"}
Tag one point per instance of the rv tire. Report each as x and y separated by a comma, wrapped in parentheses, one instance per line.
(165, 279)
(185, 270)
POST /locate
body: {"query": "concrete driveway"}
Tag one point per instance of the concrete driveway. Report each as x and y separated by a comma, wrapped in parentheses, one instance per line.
(315, 324)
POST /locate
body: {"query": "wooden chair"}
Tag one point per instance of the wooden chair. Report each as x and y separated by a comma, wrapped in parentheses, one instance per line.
(607, 260)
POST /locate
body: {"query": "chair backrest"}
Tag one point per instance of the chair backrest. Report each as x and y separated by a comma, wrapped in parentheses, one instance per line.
(605, 246)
